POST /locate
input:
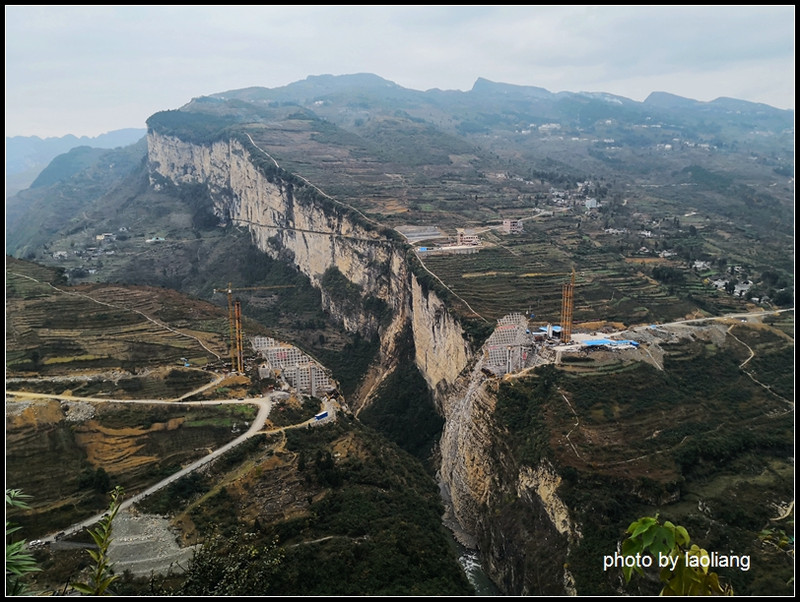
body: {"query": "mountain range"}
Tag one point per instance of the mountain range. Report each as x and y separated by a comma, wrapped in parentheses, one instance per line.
(631, 219)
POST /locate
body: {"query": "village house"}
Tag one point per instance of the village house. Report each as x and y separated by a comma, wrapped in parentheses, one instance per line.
(464, 238)
(512, 226)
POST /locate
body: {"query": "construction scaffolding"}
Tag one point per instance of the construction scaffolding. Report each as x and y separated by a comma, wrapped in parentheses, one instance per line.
(510, 348)
(291, 365)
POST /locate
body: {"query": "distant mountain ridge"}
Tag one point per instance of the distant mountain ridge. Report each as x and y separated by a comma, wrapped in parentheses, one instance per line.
(672, 101)
(317, 87)
(27, 156)
(561, 135)
(350, 100)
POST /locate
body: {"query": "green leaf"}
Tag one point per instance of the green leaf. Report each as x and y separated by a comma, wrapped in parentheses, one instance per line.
(648, 537)
(83, 588)
(10, 530)
(681, 536)
(683, 579)
(641, 525)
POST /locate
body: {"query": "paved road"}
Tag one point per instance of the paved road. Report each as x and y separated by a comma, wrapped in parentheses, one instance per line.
(264, 403)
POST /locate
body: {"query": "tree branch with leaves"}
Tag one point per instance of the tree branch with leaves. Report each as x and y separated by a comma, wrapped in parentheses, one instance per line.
(683, 571)
(18, 561)
(102, 574)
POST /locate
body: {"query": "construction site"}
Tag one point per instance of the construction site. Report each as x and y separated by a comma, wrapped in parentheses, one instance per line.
(516, 344)
(282, 361)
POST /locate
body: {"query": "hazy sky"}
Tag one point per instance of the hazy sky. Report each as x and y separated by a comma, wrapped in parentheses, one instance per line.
(88, 70)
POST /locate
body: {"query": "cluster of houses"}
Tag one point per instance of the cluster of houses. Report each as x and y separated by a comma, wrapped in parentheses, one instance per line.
(104, 246)
(466, 242)
(739, 289)
(567, 198)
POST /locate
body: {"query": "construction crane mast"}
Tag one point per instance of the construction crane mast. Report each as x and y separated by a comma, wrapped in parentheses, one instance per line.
(237, 313)
(567, 293)
(235, 322)
(567, 301)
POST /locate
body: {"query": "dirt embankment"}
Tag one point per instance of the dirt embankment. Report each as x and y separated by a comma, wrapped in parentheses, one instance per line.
(146, 544)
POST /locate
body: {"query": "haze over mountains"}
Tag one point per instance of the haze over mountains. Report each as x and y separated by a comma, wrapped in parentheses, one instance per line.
(507, 99)
(27, 156)
(354, 102)
(661, 211)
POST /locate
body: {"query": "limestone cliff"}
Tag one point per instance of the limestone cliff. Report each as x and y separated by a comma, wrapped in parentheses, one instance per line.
(318, 235)
(511, 512)
(513, 515)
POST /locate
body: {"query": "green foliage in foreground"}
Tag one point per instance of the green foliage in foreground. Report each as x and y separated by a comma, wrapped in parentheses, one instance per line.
(18, 562)
(684, 575)
(102, 573)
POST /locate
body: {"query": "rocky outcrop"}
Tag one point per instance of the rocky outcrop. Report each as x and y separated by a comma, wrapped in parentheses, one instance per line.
(513, 515)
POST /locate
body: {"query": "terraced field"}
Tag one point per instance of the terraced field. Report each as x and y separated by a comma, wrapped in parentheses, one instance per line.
(105, 341)
(68, 455)
(499, 280)
(528, 270)
(54, 329)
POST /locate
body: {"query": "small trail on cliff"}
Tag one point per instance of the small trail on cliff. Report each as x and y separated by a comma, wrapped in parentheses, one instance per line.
(750, 375)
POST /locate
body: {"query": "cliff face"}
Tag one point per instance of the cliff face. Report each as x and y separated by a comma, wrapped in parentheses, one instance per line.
(513, 516)
(316, 238)
(511, 512)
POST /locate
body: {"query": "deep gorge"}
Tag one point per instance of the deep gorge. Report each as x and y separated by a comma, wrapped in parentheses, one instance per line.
(290, 221)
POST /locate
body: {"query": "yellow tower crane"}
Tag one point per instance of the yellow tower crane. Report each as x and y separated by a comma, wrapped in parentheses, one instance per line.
(235, 322)
(567, 292)
(567, 301)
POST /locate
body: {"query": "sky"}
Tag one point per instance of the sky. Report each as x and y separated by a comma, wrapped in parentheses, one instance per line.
(87, 70)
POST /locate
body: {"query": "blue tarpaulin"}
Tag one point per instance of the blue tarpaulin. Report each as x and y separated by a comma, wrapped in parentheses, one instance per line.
(610, 342)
